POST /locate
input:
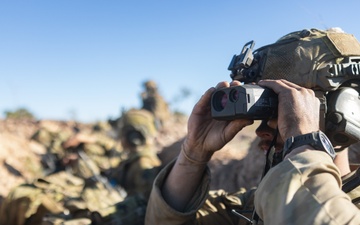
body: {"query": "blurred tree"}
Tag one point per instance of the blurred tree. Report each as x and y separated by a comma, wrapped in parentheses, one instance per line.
(184, 94)
(20, 113)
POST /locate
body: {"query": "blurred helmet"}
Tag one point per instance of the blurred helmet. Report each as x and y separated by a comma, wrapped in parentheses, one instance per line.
(136, 125)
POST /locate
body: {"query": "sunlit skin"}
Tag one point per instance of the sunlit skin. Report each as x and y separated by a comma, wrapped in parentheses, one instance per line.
(266, 132)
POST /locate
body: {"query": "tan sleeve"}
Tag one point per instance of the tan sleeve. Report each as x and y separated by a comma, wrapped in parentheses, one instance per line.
(305, 189)
(160, 213)
(205, 208)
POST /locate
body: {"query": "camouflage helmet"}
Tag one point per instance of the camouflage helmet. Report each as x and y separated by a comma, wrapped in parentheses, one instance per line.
(327, 61)
(137, 120)
(312, 58)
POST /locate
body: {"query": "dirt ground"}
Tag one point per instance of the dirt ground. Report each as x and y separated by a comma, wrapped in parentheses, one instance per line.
(235, 165)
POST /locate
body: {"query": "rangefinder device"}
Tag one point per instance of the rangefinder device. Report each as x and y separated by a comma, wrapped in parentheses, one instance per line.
(247, 101)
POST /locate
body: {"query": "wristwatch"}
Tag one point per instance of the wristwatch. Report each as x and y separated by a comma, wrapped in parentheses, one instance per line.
(318, 140)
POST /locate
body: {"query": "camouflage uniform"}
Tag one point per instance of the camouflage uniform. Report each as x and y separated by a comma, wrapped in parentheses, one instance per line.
(138, 171)
(70, 196)
(214, 207)
(57, 197)
(131, 211)
(109, 152)
(52, 142)
(103, 151)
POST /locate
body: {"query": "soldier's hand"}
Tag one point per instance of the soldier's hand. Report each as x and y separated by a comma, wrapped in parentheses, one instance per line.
(70, 159)
(298, 111)
(78, 139)
(207, 135)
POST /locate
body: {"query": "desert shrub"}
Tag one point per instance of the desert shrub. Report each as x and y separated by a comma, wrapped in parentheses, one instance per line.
(19, 114)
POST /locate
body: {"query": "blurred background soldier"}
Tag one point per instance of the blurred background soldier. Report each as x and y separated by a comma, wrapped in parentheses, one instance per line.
(51, 137)
(137, 133)
(101, 149)
(155, 103)
(74, 191)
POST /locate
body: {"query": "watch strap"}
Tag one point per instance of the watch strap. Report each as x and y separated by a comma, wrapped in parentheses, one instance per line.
(318, 140)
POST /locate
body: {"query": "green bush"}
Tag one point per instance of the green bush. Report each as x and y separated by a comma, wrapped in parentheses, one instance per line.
(19, 114)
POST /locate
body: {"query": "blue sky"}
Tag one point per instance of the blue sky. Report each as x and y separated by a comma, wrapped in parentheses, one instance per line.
(87, 59)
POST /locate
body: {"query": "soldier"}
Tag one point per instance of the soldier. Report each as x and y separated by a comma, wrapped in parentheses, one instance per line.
(155, 103)
(137, 135)
(315, 76)
(74, 194)
(51, 140)
(98, 145)
(136, 173)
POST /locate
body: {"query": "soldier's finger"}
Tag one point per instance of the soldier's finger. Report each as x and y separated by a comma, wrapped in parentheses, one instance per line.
(222, 84)
(277, 85)
(235, 83)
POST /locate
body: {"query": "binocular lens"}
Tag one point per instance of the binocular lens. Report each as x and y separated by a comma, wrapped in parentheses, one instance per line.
(220, 100)
(234, 95)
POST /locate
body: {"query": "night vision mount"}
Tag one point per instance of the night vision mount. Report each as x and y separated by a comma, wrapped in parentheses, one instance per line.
(246, 101)
(240, 64)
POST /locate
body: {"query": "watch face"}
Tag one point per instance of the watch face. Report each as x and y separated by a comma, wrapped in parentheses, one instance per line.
(326, 143)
